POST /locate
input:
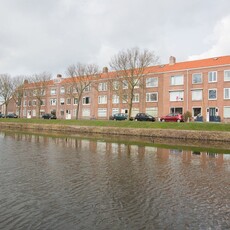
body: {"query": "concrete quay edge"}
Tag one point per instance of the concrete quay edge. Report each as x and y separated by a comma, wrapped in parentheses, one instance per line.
(154, 133)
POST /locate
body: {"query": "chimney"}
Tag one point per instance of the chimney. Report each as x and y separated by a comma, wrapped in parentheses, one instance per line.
(26, 82)
(172, 60)
(105, 70)
(59, 75)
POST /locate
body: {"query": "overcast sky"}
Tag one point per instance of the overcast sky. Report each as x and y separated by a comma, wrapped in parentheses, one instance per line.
(50, 35)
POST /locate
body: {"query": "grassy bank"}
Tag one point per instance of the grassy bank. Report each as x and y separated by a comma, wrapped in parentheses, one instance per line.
(201, 126)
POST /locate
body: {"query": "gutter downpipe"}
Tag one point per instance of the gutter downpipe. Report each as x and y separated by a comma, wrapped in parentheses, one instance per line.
(187, 91)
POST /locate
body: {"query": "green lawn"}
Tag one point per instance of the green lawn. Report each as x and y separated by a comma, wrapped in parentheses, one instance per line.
(130, 124)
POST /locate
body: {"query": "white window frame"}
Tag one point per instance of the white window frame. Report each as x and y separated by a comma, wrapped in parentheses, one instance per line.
(68, 101)
(53, 101)
(116, 85)
(102, 99)
(177, 80)
(226, 93)
(227, 75)
(62, 90)
(212, 76)
(125, 84)
(197, 95)
(136, 83)
(136, 98)
(226, 112)
(115, 99)
(75, 101)
(149, 97)
(177, 95)
(115, 110)
(86, 100)
(195, 76)
(62, 101)
(102, 86)
(211, 99)
(53, 91)
(102, 112)
(87, 88)
(151, 82)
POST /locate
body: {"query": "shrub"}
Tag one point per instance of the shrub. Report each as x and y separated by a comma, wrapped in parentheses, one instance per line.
(187, 116)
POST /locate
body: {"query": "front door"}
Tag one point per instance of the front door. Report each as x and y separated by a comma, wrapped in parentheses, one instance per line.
(212, 114)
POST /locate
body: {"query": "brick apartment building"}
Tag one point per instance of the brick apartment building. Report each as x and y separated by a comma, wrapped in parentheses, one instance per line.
(201, 87)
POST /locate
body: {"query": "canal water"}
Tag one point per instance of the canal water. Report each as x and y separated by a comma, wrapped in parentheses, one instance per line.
(54, 182)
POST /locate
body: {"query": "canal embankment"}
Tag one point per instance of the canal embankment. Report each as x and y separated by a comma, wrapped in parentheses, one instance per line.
(141, 132)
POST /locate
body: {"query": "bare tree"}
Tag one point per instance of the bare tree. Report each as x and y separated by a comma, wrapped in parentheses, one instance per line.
(19, 86)
(6, 89)
(39, 83)
(130, 68)
(82, 77)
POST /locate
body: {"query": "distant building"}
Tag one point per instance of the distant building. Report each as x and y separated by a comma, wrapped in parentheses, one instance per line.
(201, 87)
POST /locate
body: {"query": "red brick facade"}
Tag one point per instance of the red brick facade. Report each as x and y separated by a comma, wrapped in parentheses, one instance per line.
(200, 87)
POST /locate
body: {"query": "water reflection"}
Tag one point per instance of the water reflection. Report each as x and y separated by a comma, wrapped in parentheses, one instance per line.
(78, 183)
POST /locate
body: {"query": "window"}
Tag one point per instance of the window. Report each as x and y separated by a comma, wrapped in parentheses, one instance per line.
(212, 94)
(152, 111)
(136, 83)
(177, 80)
(62, 101)
(34, 102)
(152, 82)
(102, 86)
(68, 101)
(34, 113)
(85, 112)
(136, 97)
(75, 101)
(87, 88)
(86, 100)
(176, 95)
(227, 75)
(35, 92)
(115, 110)
(125, 84)
(227, 112)
(212, 76)
(227, 93)
(115, 85)
(176, 110)
(43, 102)
(125, 98)
(115, 99)
(62, 90)
(196, 78)
(197, 95)
(25, 103)
(53, 101)
(102, 99)
(53, 92)
(30, 103)
(196, 111)
(102, 112)
(151, 97)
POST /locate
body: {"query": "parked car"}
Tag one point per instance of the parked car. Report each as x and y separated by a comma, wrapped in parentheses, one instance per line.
(2, 115)
(119, 116)
(49, 116)
(11, 115)
(174, 117)
(144, 117)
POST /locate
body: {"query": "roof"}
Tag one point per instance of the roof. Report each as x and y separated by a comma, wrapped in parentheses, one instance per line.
(209, 62)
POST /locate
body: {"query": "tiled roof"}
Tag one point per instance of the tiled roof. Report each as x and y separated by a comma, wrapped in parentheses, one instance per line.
(216, 61)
